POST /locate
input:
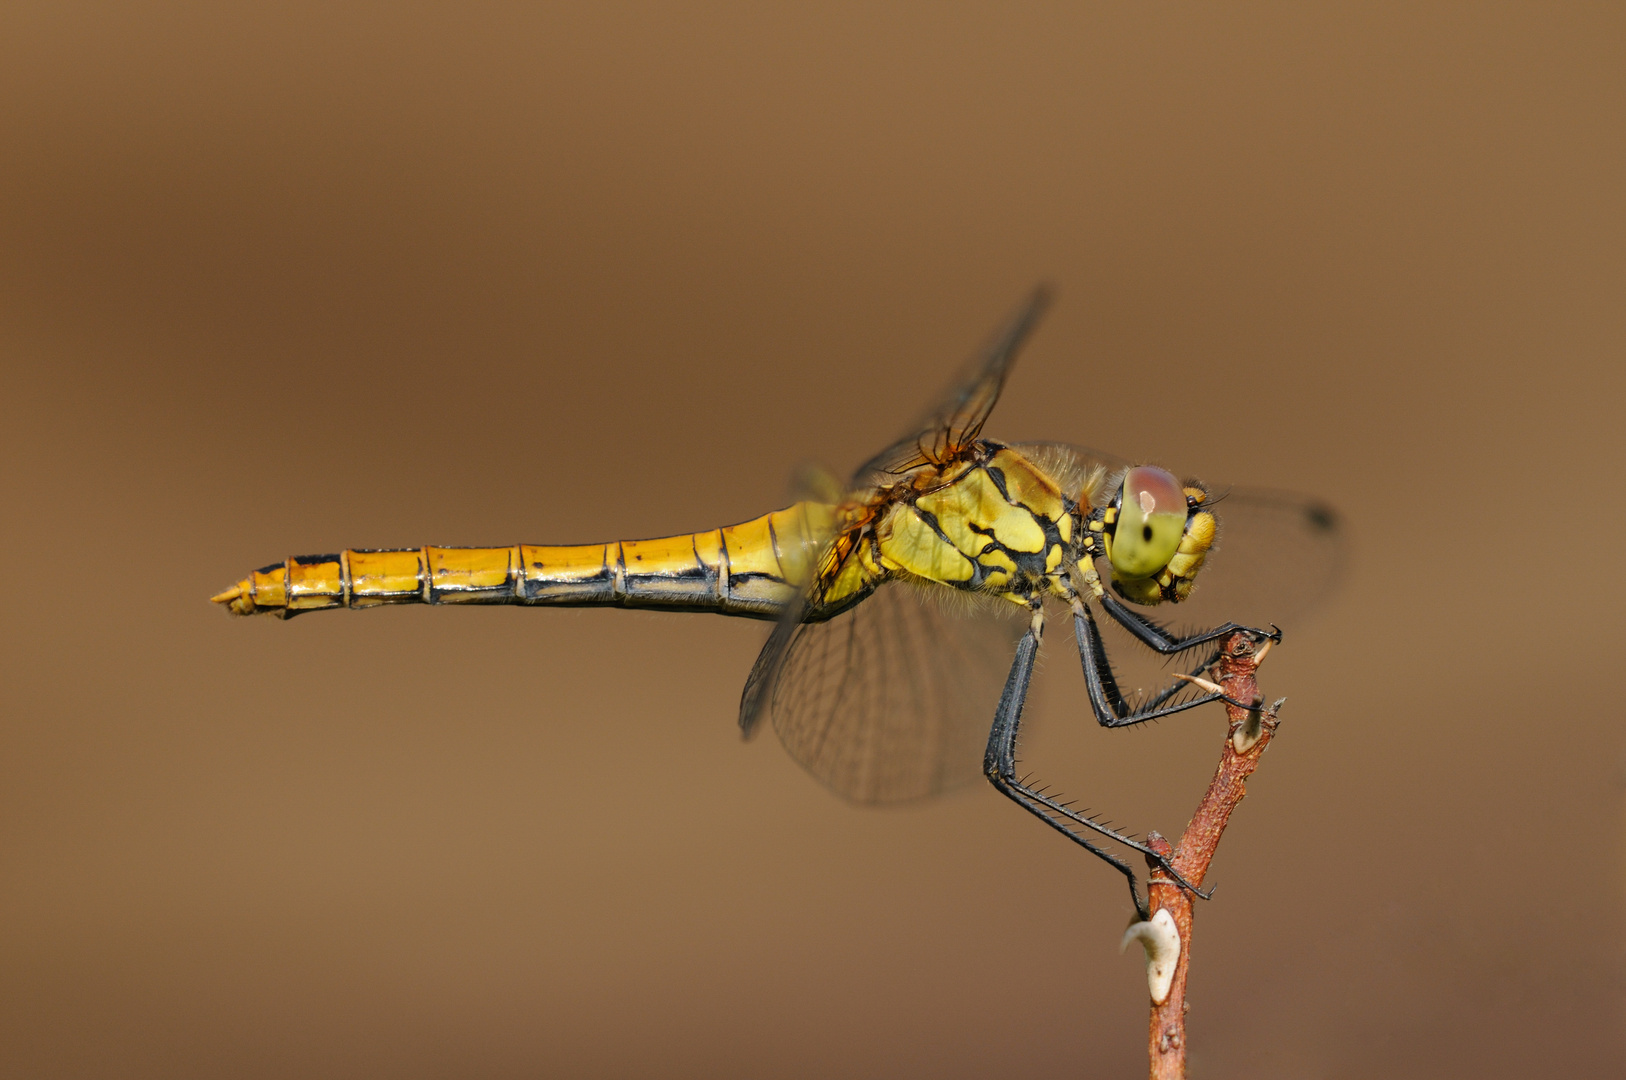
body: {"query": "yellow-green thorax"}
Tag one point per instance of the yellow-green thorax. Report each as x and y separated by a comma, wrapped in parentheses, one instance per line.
(997, 523)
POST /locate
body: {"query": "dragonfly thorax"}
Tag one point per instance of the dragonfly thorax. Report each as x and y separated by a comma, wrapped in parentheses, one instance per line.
(994, 522)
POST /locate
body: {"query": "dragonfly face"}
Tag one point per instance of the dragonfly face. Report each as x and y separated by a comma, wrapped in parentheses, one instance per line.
(895, 600)
(1156, 533)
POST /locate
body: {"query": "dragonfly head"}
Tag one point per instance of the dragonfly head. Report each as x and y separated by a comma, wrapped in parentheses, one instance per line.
(1157, 534)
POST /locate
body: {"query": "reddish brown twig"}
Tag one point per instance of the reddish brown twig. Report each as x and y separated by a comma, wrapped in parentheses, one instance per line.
(1250, 732)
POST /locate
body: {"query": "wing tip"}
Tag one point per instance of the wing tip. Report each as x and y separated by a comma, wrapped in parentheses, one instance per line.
(1038, 302)
(750, 709)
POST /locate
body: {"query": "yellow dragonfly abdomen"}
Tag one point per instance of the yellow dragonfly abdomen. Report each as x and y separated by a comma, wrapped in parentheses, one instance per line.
(752, 569)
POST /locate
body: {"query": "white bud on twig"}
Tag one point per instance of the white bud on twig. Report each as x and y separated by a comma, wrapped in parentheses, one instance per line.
(1162, 943)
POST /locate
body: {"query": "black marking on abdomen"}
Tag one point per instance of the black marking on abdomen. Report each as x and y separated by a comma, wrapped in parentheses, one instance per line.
(746, 579)
(692, 587)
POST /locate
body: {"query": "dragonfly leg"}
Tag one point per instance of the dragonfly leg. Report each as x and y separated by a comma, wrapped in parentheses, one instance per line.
(1107, 701)
(999, 765)
(1160, 640)
(1111, 708)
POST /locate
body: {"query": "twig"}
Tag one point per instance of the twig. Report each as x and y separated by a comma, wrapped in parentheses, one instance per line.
(1250, 732)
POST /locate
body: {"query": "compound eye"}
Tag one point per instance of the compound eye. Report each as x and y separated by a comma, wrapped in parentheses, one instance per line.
(1151, 520)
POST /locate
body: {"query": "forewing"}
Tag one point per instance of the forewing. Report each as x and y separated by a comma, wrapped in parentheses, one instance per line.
(755, 698)
(959, 415)
(1279, 555)
(892, 700)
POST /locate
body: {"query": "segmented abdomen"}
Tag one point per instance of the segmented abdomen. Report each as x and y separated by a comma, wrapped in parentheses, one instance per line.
(751, 569)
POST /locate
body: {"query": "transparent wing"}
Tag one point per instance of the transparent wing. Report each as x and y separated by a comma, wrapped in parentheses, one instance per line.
(892, 700)
(957, 419)
(760, 684)
(1279, 556)
(945, 431)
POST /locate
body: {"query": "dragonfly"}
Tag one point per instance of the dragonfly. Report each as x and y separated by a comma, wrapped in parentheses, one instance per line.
(909, 605)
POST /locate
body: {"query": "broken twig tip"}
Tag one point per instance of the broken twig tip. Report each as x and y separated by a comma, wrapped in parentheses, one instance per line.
(1212, 688)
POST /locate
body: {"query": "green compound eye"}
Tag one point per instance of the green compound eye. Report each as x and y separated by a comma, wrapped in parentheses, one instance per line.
(1151, 520)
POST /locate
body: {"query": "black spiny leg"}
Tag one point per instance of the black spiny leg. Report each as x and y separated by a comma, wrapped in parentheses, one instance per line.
(1159, 640)
(999, 765)
(1106, 700)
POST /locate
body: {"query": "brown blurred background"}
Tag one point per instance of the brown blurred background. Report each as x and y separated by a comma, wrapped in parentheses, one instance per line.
(401, 274)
